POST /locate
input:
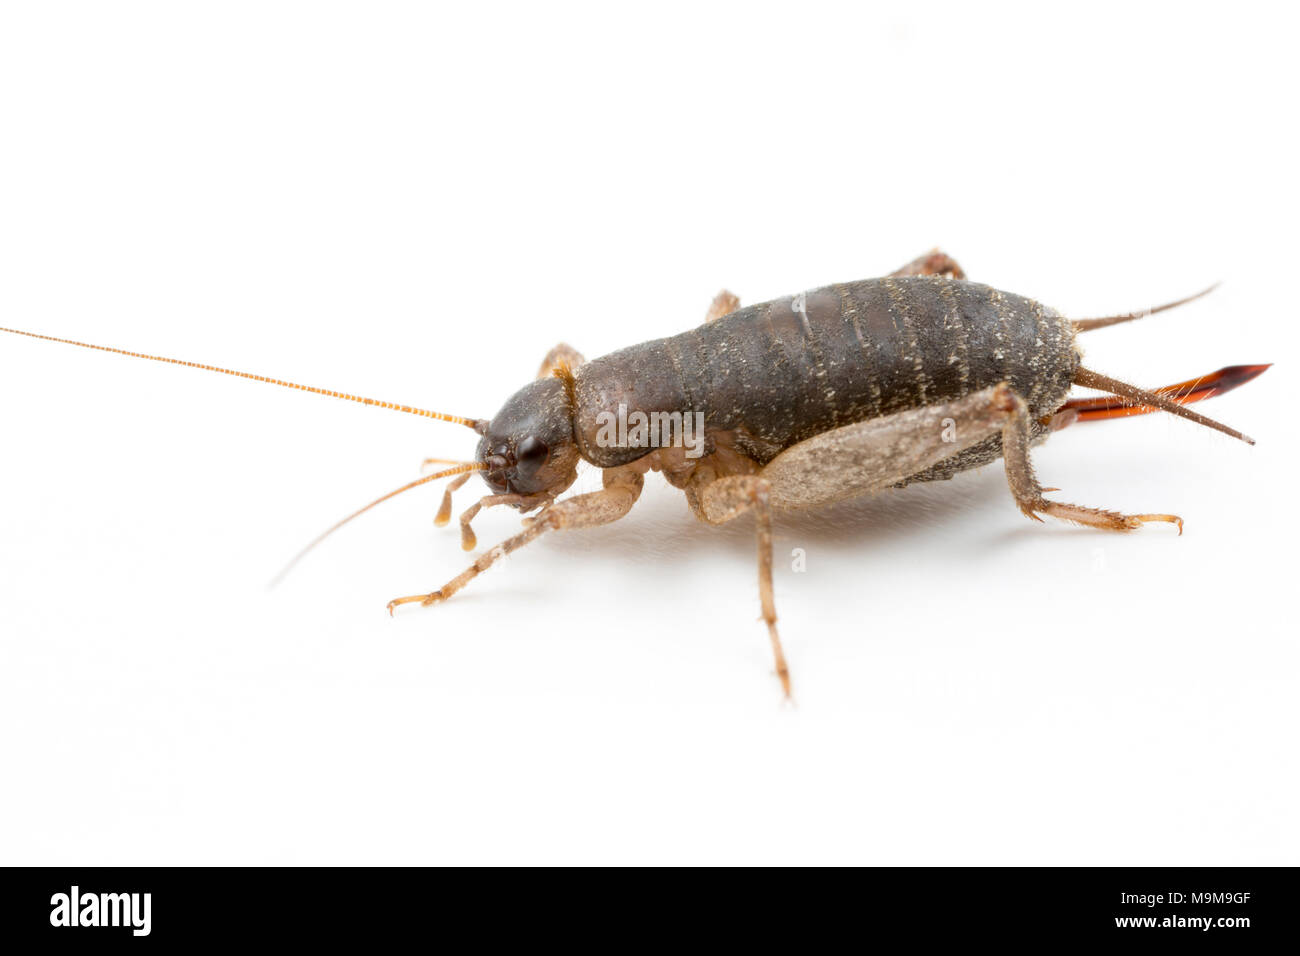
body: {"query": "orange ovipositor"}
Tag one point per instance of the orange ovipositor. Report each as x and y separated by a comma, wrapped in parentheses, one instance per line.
(1185, 393)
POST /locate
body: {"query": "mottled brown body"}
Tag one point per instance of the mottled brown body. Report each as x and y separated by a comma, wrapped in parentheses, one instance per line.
(774, 374)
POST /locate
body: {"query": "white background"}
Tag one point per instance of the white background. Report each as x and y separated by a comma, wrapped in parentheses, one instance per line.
(415, 202)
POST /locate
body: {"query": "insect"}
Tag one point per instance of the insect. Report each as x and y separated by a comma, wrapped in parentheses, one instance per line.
(800, 402)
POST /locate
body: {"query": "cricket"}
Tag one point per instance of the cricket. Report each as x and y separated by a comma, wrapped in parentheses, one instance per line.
(797, 403)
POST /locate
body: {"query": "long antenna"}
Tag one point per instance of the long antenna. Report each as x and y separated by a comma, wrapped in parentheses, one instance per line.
(458, 470)
(477, 424)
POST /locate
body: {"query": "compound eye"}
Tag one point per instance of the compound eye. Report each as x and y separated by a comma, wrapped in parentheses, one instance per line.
(530, 456)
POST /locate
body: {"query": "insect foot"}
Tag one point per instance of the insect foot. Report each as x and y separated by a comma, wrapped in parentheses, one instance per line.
(1098, 517)
(424, 599)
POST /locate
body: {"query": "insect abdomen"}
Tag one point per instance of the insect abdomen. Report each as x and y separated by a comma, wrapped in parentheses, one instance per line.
(779, 372)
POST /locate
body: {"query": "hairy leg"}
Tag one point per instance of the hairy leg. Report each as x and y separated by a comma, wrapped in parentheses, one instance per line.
(1029, 493)
(468, 540)
(724, 303)
(932, 263)
(563, 354)
(622, 488)
(866, 457)
(727, 498)
(856, 459)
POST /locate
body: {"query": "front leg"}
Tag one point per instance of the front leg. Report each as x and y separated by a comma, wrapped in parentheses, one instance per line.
(468, 540)
(622, 488)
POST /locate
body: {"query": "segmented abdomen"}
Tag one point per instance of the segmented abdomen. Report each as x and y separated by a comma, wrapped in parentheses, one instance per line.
(782, 371)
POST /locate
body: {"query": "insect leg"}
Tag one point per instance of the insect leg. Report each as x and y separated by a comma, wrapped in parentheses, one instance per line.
(728, 498)
(1029, 493)
(468, 540)
(932, 263)
(852, 460)
(563, 354)
(724, 303)
(622, 488)
(866, 457)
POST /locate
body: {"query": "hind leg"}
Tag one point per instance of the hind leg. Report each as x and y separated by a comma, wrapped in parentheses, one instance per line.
(871, 456)
(868, 456)
(933, 263)
(1029, 493)
(724, 303)
(853, 460)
